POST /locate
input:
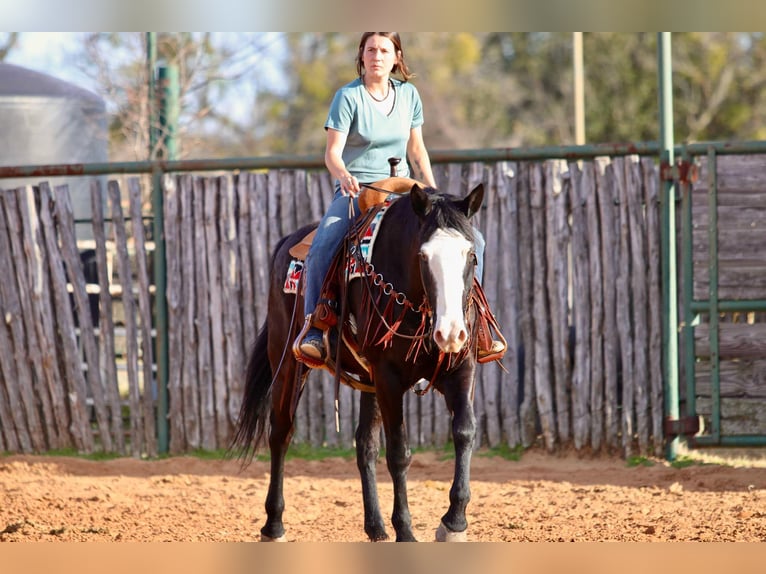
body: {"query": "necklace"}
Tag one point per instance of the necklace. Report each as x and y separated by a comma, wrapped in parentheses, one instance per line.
(384, 98)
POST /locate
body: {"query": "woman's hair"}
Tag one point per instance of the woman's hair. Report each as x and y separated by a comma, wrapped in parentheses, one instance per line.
(399, 68)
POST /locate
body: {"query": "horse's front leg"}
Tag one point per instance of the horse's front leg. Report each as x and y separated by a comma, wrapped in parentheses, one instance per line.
(398, 455)
(367, 451)
(454, 524)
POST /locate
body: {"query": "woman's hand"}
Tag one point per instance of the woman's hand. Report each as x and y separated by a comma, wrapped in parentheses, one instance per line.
(349, 185)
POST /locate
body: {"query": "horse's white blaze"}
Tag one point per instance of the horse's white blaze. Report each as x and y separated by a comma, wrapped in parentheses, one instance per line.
(446, 253)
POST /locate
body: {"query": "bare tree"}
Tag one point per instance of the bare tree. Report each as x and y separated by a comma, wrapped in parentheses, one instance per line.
(209, 66)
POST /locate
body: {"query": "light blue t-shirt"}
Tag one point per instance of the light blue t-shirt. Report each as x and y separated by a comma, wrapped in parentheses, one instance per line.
(373, 137)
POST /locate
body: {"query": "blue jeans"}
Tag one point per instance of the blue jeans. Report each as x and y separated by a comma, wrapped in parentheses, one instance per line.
(330, 233)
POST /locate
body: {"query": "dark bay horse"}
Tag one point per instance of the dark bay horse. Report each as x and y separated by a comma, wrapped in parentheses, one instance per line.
(423, 262)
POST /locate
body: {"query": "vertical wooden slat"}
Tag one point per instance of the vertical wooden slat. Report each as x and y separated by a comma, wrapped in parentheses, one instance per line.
(581, 306)
(541, 317)
(528, 408)
(327, 383)
(490, 375)
(590, 188)
(215, 316)
(347, 419)
(12, 412)
(507, 304)
(639, 265)
(606, 205)
(106, 318)
(26, 350)
(191, 382)
(557, 237)
(137, 426)
(654, 296)
(39, 319)
(442, 421)
(64, 320)
(261, 253)
(8, 392)
(65, 219)
(174, 296)
(411, 406)
(202, 195)
(316, 408)
(301, 433)
(454, 184)
(476, 176)
(314, 185)
(247, 304)
(231, 270)
(623, 307)
(273, 210)
(145, 314)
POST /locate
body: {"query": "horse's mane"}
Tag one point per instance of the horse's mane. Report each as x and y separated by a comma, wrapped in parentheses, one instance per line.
(446, 215)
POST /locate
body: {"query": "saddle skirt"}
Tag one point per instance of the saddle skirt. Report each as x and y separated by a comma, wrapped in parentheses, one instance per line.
(366, 243)
(372, 195)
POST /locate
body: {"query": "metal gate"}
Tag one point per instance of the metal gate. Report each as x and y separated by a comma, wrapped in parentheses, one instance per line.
(722, 324)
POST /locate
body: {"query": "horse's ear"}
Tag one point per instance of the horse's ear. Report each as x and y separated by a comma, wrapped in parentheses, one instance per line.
(421, 202)
(472, 202)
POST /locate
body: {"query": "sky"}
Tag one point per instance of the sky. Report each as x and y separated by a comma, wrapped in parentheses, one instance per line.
(46, 52)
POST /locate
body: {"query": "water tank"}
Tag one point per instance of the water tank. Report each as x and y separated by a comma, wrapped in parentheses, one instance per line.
(45, 120)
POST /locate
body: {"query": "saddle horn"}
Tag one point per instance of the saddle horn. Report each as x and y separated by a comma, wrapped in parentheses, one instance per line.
(393, 162)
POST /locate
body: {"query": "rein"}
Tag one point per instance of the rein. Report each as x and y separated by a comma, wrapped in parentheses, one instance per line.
(422, 335)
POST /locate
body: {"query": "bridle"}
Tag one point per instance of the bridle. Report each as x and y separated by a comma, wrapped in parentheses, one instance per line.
(424, 332)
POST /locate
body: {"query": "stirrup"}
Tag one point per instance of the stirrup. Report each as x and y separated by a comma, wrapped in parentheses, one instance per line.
(308, 360)
(494, 352)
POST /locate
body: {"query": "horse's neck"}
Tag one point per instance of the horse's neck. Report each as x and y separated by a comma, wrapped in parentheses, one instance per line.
(395, 255)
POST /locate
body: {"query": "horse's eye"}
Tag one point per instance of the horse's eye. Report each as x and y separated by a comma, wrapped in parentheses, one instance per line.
(472, 255)
(423, 256)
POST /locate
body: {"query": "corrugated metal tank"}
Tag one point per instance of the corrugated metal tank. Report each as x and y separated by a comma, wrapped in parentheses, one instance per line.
(44, 120)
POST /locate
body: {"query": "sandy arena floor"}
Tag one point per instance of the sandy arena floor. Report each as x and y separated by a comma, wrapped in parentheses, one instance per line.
(540, 498)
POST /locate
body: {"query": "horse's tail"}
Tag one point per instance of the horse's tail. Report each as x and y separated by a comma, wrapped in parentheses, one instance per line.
(256, 403)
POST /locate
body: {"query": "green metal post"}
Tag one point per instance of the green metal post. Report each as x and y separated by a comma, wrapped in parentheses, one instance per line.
(168, 78)
(169, 110)
(669, 282)
(689, 316)
(151, 62)
(715, 371)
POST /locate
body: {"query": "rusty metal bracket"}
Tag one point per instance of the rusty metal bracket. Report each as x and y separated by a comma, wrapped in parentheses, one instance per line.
(686, 426)
(682, 172)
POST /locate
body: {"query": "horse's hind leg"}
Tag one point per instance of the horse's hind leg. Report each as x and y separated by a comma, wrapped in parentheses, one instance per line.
(367, 451)
(279, 440)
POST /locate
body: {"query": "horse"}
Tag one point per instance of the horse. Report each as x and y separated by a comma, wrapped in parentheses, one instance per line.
(423, 265)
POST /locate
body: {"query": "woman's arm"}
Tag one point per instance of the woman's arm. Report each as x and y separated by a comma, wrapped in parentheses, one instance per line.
(333, 159)
(418, 156)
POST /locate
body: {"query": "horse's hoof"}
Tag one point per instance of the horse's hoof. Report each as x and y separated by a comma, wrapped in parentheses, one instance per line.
(444, 534)
(265, 538)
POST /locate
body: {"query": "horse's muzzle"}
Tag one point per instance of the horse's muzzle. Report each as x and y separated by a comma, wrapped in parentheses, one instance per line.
(450, 336)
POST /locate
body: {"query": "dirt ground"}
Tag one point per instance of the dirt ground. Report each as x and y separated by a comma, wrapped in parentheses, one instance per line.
(539, 498)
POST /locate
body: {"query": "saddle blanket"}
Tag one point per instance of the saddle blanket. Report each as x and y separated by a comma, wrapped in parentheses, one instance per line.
(366, 242)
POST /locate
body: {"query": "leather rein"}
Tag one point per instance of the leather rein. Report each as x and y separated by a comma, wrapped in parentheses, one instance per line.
(422, 334)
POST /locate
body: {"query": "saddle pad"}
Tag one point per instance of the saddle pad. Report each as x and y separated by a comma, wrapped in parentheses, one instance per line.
(295, 269)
